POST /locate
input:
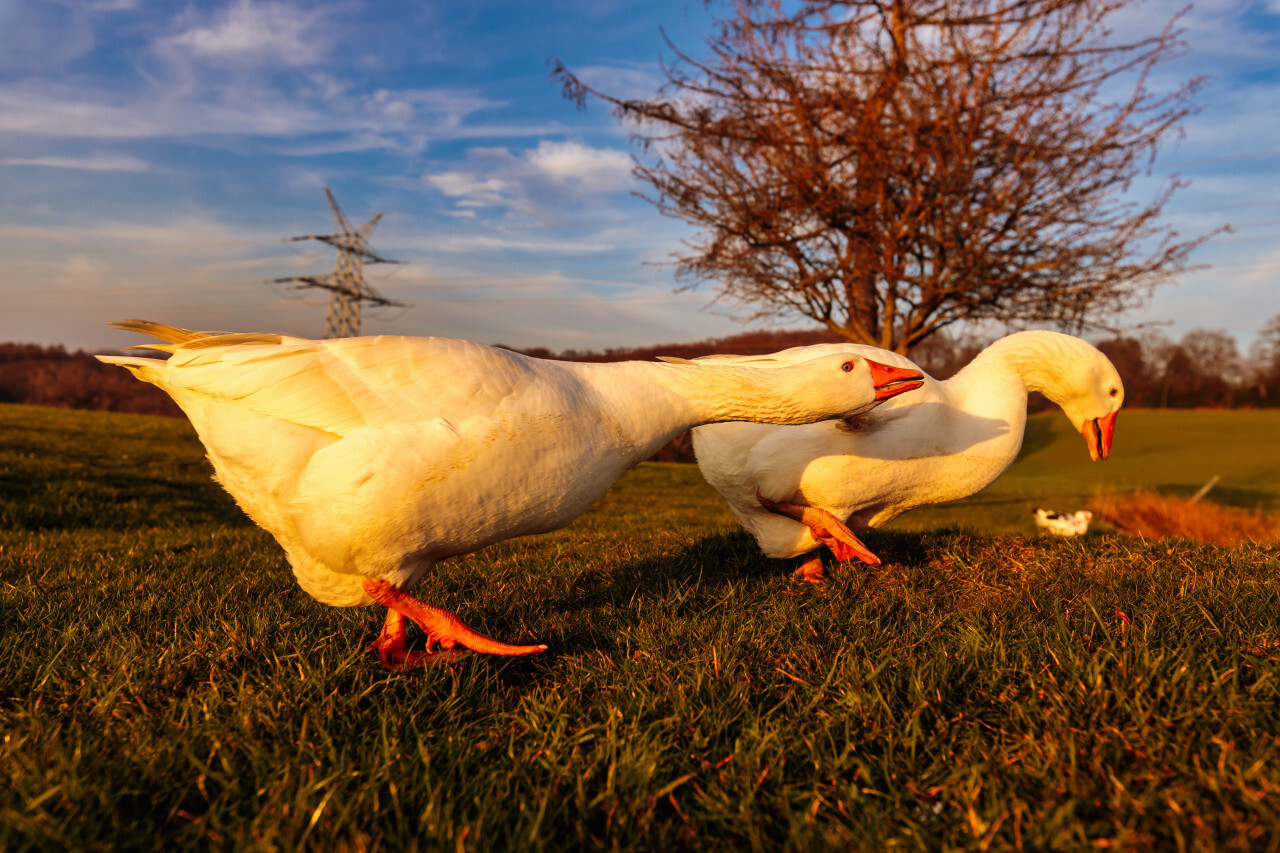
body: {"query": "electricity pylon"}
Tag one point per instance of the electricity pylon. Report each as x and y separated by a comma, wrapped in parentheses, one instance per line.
(348, 289)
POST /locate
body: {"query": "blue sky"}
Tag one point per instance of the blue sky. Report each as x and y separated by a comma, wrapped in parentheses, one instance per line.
(153, 155)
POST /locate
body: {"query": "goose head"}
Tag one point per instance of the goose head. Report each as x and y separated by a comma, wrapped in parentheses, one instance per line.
(1090, 392)
(848, 383)
(761, 389)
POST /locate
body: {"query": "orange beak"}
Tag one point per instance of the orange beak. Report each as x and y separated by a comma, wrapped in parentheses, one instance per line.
(1098, 433)
(892, 381)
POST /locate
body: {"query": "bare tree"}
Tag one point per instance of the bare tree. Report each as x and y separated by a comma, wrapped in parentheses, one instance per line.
(1132, 363)
(891, 168)
(1216, 368)
(1264, 359)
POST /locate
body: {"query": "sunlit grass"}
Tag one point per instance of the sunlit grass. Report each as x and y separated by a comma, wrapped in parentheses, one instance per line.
(164, 684)
(1154, 516)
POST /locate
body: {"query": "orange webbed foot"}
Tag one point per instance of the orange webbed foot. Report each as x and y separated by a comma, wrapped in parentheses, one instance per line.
(393, 650)
(444, 630)
(825, 529)
(810, 571)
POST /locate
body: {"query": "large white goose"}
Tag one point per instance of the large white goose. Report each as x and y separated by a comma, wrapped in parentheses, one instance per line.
(795, 488)
(372, 459)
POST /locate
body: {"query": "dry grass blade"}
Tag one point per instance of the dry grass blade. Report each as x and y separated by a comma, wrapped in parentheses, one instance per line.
(1154, 516)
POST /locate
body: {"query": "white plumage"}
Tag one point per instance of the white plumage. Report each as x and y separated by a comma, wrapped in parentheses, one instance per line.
(796, 487)
(1064, 524)
(372, 459)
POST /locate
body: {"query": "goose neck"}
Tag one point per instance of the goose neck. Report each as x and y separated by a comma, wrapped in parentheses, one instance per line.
(657, 399)
(717, 393)
(999, 378)
(1037, 358)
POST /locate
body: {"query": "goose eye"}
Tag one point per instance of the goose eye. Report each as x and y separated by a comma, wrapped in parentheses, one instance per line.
(847, 366)
(1114, 392)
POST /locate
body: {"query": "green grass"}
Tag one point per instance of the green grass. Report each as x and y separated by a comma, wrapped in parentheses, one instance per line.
(1172, 452)
(165, 684)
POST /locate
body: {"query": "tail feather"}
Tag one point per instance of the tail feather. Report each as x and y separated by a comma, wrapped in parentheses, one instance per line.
(146, 369)
(169, 348)
(169, 334)
(227, 339)
(190, 339)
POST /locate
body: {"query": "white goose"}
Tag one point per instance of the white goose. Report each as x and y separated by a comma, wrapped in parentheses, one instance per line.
(372, 459)
(797, 487)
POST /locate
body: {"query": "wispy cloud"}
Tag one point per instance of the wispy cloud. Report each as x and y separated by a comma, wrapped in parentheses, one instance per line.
(113, 5)
(92, 163)
(250, 69)
(630, 80)
(591, 170)
(525, 180)
(377, 119)
(494, 243)
(29, 233)
(265, 33)
(470, 189)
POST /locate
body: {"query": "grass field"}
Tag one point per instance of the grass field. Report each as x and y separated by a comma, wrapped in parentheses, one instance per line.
(165, 684)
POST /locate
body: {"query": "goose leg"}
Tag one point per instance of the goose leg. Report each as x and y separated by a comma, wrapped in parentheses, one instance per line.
(394, 652)
(825, 528)
(443, 629)
(810, 570)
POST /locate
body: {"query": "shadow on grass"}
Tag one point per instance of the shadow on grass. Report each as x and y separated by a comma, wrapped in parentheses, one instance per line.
(598, 607)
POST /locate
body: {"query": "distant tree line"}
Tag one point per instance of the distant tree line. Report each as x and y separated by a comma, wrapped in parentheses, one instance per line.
(1202, 369)
(51, 376)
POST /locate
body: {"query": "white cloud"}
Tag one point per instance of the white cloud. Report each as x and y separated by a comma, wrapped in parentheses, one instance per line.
(264, 33)
(492, 244)
(622, 81)
(594, 170)
(471, 190)
(536, 177)
(93, 163)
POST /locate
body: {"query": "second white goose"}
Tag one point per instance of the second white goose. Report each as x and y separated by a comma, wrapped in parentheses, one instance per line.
(795, 488)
